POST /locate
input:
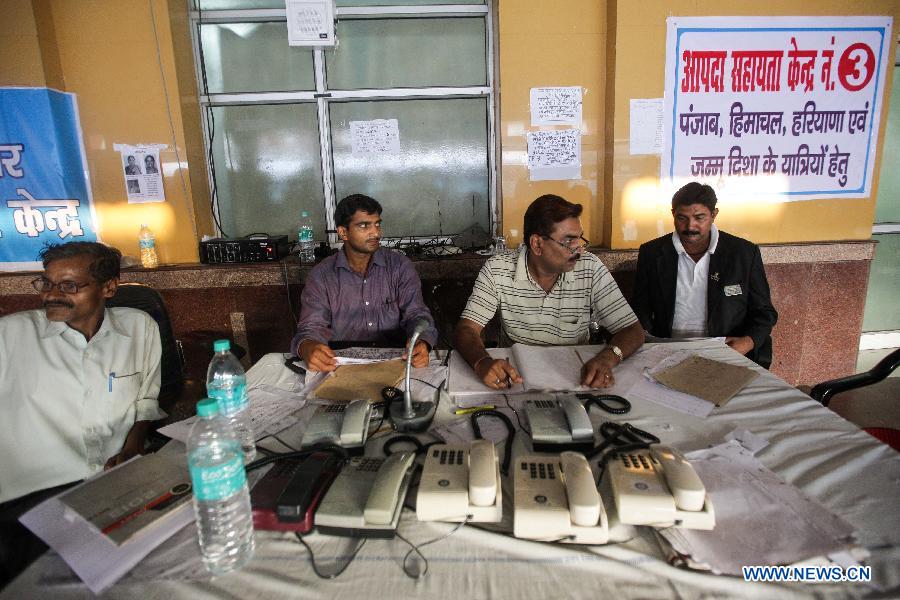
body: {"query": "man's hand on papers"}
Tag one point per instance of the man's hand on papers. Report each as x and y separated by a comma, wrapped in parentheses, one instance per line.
(420, 354)
(497, 374)
(598, 372)
(318, 356)
(742, 344)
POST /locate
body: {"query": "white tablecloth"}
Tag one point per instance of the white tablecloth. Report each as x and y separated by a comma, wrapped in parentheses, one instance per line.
(828, 458)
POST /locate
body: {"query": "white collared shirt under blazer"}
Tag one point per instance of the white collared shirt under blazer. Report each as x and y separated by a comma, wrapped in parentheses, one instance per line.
(561, 317)
(67, 404)
(689, 319)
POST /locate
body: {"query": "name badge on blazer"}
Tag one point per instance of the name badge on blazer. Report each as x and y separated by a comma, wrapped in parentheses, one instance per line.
(733, 290)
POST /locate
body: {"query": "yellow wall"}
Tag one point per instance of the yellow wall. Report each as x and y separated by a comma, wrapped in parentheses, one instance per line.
(550, 43)
(121, 69)
(616, 50)
(640, 56)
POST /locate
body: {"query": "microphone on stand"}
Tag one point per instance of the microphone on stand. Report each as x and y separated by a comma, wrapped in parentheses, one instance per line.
(412, 416)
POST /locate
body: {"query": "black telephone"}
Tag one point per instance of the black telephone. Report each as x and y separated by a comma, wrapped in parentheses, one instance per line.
(288, 495)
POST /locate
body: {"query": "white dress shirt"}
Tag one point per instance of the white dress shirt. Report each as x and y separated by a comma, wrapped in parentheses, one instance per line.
(67, 404)
(689, 319)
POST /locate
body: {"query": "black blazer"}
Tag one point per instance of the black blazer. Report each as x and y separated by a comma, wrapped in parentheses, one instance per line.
(735, 262)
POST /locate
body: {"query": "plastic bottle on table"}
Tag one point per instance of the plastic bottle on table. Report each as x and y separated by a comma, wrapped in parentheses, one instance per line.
(147, 242)
(227, 384)
(221, 498)
(305, 239)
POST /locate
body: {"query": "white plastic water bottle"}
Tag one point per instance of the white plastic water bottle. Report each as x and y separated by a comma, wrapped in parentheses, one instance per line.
(227, 384)
(147, 243)
(221, 499)
(305, 239)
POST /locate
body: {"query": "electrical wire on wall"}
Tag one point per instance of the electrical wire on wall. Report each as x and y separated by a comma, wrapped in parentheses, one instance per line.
(210, 127)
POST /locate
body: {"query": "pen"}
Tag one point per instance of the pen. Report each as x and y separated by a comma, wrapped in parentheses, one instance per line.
(466, 411)
(112, 376)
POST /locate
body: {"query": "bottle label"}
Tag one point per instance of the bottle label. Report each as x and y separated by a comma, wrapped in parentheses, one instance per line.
(231, 400)
(221, 481)
(305, 235)
(147, 243)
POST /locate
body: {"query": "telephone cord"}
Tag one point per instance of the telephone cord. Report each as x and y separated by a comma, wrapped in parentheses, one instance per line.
(417, 550)
(336, 574)
(510, 428)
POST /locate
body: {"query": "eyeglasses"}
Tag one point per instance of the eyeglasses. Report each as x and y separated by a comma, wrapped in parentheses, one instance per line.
(44, 285)
(575, 245)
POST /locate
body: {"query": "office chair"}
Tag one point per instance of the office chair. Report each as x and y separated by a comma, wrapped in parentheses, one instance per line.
(825, 392)
(145, 298)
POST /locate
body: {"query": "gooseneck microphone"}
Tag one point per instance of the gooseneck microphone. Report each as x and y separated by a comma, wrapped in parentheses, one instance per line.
(412, 416)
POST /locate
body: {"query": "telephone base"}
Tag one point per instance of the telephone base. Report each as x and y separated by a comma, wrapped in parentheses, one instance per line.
(354, 532)
(558, 447)
(423, 413)
(702, 519)
(432, 507)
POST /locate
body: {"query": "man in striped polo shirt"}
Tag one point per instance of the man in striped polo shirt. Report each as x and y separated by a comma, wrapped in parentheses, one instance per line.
(548, 291)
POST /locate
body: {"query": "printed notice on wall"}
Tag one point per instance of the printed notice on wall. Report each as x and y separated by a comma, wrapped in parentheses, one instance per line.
(554, 154)
(143, 180)
(381, 136)
(556, 106)
(646, 128)
(781, 107)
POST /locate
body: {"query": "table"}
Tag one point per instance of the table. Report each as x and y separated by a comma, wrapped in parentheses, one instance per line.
(827, 457)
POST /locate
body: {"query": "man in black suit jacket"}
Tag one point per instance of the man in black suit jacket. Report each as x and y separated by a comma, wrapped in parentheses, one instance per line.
(700, 281)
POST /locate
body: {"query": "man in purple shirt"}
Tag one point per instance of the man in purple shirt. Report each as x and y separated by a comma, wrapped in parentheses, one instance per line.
(364, 293)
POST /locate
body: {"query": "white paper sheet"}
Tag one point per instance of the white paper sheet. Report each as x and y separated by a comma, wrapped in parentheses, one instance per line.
(381, 136)
(556, 106)
(554, 154)
(646, 126)
(760, 519)
(97, 560)
(271, 410)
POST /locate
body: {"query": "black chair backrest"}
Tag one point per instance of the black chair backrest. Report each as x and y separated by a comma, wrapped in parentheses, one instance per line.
(824, 391)
(145, 298)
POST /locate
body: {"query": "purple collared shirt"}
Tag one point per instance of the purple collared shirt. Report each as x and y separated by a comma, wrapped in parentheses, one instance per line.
(339, 304)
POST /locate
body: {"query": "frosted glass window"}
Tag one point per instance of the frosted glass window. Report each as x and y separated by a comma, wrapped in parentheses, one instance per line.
(882, 309)
(237, 4)
(438, 182)
(254, 57)
(887, 207)
(268, 168)
(403, 53)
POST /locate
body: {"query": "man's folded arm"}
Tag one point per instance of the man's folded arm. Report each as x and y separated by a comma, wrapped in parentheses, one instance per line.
(412, 306)
(640, 299)
(761, 315)
(315, 315)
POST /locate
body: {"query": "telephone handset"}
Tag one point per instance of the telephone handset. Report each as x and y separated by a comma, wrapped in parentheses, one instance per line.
(557, 423)
(460, 482)
(366, 498)
(289, 493)
(659, 487)
(346, 425)
(555, 499)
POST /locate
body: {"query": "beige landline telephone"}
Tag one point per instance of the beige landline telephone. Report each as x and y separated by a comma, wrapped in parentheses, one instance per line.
(345, 425)
(659, 487)
(366, 498)
(459, 483)
(555, 499)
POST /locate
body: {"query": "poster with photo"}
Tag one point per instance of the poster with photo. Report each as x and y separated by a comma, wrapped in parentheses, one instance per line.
(141, 168)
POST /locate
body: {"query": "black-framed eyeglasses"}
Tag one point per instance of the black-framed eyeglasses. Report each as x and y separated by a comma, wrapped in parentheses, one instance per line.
(44, 285)
(575, 245)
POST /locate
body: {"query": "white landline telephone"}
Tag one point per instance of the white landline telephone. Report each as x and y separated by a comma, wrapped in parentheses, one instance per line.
(659, 487)
(555, 499)
(460, 482)
(346, 425)
(366, 498)
(559, 422)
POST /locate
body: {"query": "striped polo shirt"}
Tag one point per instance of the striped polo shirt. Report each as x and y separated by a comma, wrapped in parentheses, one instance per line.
(532, 316)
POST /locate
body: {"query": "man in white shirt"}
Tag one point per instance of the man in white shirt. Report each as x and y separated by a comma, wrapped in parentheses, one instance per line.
(699, 281)
(79, 385)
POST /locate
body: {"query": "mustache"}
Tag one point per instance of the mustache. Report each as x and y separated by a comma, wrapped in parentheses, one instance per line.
(690, 232)
(51, 303)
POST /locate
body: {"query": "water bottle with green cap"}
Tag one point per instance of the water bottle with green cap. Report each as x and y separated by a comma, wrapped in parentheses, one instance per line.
(221, 497)
(227, 384)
